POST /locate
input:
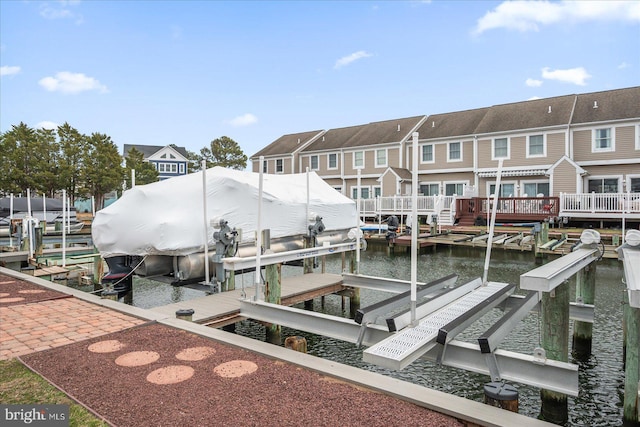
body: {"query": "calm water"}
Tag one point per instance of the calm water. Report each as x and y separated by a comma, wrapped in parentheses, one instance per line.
(601, 376)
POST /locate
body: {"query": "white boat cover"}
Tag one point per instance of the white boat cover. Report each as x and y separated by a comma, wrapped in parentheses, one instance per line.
(167, 217)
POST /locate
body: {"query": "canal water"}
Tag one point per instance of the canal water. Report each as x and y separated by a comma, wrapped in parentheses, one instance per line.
(601, 376)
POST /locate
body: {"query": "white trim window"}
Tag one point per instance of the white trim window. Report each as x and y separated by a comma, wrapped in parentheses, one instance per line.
(381, 157)
(603, 184)
(377, 191)
(181, 167)
(314, 163)
(603, 140)
(633, 183)
(429, 188)
(457, 188)
(536, 146)
(265, 166)
(279, 166)
(533, 188)
(454, 151)
(364, 192)
(507, 189)
(332, 161)
(358, 159)
(500, 148)
(427, 154)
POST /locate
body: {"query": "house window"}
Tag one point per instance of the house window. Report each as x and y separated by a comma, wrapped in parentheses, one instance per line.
(377, 191)
(454, 152)
(265, 163)
(358, 159)
(279, 166)
(364, 192)
(603, 185)
(500, 148)
(427, 153)
(181, 167)
(161, 167)
(332, 161)
(430, 189)
(314, 163)
(171, 156)
(452, 188)
(603, 140)
(381, 158)
(174, 167)
(532, 189)
(164, 156)
(535, 146)
(506, 189)
(634, 185)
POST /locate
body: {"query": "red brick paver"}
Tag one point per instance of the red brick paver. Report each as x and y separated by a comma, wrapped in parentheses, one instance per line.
(28, 328)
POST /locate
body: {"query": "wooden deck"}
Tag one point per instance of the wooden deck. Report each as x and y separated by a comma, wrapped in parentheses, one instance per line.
(224, 308)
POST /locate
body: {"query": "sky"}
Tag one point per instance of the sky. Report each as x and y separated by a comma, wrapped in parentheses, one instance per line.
(188, 72)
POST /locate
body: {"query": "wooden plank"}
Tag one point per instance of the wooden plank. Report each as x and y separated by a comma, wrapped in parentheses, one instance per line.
(227, 304)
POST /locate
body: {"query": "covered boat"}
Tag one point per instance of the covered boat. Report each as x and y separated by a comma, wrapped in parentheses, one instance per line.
(162, 224)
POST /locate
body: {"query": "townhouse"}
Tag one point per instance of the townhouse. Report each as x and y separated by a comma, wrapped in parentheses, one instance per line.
(566, 145)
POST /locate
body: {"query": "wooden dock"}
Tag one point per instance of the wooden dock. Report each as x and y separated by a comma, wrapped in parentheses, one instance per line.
(223, 308)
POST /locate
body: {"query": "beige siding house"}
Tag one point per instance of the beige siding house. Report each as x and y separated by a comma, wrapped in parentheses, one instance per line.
(571, 144)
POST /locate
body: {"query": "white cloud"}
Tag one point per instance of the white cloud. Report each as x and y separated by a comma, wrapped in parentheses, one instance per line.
(533, 83)
(8, 70)
(71, 83)
(47, 125)
(244, 120)
(576, 76)
(346, 60)
(533, 98)
(623, 66)
(61, 10)
(530, 15)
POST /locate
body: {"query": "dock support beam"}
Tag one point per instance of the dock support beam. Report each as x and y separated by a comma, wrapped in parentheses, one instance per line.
(273, 292)
(585, 294)
(631, 407)
(555, 341)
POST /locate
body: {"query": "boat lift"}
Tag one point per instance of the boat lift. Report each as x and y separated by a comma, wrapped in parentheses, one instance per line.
(397, 336)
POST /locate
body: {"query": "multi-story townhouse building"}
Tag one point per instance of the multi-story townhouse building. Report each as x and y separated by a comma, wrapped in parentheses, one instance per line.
(169, 160)
(563, 147)
(281, 156)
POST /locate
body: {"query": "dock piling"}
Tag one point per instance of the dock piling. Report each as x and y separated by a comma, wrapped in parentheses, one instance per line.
(501, 395)
(273, 279)
(585, 294)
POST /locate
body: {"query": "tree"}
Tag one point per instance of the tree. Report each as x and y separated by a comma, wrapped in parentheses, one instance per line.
(224, 152)
(103, 171)
(146, 173)
(193, 162)
(72, 148)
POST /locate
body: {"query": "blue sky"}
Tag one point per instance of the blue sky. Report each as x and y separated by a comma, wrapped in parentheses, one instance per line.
(187, 72)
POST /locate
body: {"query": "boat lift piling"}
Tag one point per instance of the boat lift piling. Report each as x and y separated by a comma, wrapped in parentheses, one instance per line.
(629, 253)
(552, 280)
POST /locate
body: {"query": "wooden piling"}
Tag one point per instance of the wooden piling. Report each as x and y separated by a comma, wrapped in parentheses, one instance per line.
(308, 242)
(273, 278)
(110, 294)
(554, 316)
(631, 405)
(296, 343)
(501, 395)
(585, 293)
(185, 314)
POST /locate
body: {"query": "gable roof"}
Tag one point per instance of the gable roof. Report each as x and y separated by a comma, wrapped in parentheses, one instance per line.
(288, 144)
(562, 159)
(402, 173)
(333, 139)
(374, 133)
(459, 123)
(611, 105)
(149, 150)
(533, 114)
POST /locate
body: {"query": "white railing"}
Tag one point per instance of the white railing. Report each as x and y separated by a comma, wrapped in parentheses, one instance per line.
(402, 204)
(599, 203)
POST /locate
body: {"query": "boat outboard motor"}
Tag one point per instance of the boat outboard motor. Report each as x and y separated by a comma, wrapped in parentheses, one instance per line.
(392, 226)
(120, 274)
(225, 246)
(316, 228)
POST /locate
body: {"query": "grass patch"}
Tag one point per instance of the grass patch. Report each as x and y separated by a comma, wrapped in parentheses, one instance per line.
(19, 385)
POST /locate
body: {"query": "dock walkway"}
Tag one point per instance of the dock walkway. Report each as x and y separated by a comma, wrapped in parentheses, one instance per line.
(223, 308)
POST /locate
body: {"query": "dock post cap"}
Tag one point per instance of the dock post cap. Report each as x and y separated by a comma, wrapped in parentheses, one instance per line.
(500, 391)
(185, 312)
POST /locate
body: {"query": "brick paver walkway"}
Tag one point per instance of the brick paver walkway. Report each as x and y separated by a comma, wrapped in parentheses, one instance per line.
(40, 326)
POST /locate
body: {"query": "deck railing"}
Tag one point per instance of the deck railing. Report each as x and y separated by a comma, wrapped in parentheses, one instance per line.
(599, 203)
(509, 208)
(402, 205)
